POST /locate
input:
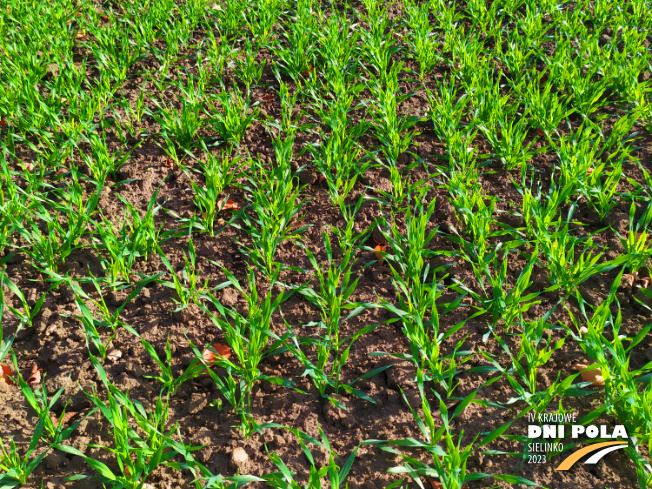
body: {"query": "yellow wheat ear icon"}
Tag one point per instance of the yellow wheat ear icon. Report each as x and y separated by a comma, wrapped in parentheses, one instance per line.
(607, 447)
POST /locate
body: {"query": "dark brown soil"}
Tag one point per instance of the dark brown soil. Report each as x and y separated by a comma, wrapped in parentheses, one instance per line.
(56, 343)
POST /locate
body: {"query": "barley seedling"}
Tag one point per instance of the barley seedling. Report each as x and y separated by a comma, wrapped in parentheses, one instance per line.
(391, 127)
(546, 109)
(101, 163)
(181, 125)
(332, 298)
(600, 188)
(273, 218)
(535, 355)
(53, 429)
(475, 211)
(220, 52)
(379, 45)
(519, 376)
(468, 59)
(284, 479)
(482, 17)
(541, 212)
(89, 324)
(446, 108)
(338, 155)
(338, 45)
(114, 51)
(16, 468)
(261, 20)
(627, 392)
(297, 54)
(450, 461)
(421, 39)
(249, 69)
(170, 383)
(14, 202)
(28, 314)
(234, 116)
(566, 270)
(230, 18)
(248, 338)
(502, 304)
(137, 454)
(218, 172)
(635, 242)
(509, 148)
(188, 287)
(48, 249)
(177, 35)
(418, 291)
(136, 239)
(587, 95)
(135, 111)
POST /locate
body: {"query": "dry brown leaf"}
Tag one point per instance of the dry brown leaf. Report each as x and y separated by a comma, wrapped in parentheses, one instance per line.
(35, 376)
(539, 132)
(229, 205)
(593, 376)
(66, 418)
(628, 280)
(81, 35)
(437, 485)
(307, 71)
(380, 249)
(321, 178)
(645, 282)
(223, 351)
(114, 355)
(6, 372)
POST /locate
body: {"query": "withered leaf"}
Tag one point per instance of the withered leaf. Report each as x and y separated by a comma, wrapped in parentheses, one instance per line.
(307, 71)
(66, 418)
(628, 280)
(593, 376)
(229, 205)
(35, 376)
(380, 249)
(114, 355)
(223, 352)
(5, 373)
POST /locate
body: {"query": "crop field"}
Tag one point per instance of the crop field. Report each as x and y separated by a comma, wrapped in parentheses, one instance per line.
(303, 244)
